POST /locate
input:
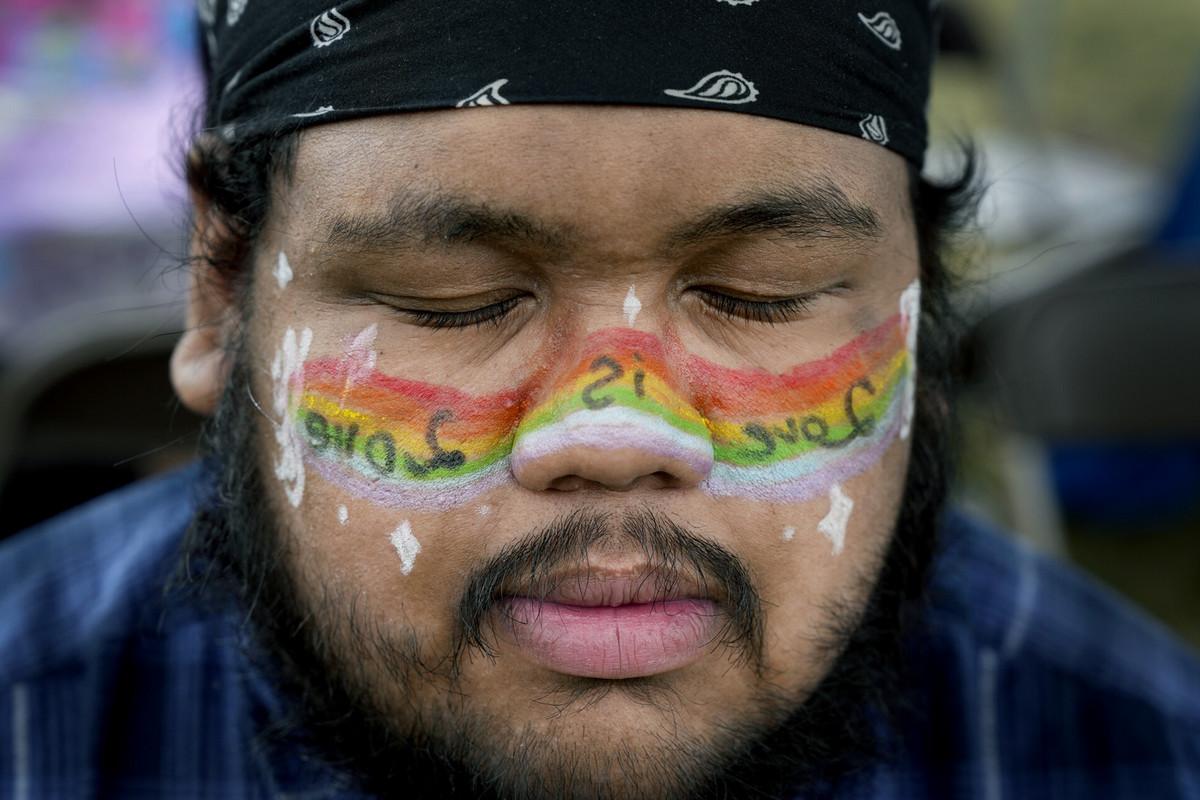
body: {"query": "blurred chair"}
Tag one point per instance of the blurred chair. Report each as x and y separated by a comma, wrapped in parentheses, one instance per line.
(1109, 355)
(1093, 360)
(86, 407)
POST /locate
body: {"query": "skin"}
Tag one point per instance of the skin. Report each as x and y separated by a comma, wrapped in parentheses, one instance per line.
(620, 178)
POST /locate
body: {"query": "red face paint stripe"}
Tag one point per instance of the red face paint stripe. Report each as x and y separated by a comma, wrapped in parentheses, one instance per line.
(397, 398)
(737, 392)
(333, 371)
(620, 343)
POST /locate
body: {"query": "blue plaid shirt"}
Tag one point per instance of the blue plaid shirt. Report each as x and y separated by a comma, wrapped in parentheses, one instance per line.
(1036, 682)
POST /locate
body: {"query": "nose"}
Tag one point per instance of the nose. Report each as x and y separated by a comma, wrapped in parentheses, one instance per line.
(614, 448)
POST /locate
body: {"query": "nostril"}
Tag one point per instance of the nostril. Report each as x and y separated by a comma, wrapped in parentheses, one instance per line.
(654, 480)
(569, 483)
(663, 480)
(579, 458)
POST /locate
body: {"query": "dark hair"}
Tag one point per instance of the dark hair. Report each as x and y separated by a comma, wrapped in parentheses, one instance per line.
(239, 181)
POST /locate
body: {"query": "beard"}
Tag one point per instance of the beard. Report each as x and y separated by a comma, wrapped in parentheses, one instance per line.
(330, 662)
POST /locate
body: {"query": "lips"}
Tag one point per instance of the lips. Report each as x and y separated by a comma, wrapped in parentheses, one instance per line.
(594, 624)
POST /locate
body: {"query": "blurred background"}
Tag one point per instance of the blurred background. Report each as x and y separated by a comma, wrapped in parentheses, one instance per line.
(1081, 408)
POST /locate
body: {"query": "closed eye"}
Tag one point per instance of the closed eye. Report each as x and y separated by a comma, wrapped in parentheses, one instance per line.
(491, 314)
(770, 312)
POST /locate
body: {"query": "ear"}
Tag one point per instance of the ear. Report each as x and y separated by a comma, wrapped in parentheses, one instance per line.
(200, 362)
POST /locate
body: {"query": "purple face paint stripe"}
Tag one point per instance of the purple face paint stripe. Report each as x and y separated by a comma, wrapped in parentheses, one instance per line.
(614, 429)
(431, 496)
(602, 440)
(806, 487)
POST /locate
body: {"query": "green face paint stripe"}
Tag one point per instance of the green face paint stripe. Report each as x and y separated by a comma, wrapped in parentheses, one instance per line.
(774, 446)
(371, 454)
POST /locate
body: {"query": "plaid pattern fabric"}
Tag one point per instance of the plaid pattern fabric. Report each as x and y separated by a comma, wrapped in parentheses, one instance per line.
(1032, 681)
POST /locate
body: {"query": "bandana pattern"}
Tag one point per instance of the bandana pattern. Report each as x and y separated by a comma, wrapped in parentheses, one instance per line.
(858, 67)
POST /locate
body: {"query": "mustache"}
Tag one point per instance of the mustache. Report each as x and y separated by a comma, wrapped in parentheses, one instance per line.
(673, 557)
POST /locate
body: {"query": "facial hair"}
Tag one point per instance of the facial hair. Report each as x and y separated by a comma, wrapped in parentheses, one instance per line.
(314, 645)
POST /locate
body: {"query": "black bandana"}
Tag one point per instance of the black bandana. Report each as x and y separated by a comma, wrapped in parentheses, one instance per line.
(859, 67)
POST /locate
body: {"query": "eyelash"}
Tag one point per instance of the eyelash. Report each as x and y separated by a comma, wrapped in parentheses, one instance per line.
(492, 314)
(769, 312)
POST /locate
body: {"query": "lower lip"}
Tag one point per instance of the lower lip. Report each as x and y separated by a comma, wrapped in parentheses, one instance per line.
(629, 641)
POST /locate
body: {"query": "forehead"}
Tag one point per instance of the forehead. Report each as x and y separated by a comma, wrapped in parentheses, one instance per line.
(602, 175)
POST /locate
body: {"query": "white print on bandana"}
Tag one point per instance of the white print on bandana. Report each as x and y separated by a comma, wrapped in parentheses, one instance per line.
(740, 2)
(283, 271)
(834, 523)
(910, 317)
(874, 129)
(327, 28)
(632, 306)
(884, 27)
(721, 86)
(234, 12)
(287, 375)
(487, 96)
(207, 11)
(232, 82)
(319, 112)
(406, 546)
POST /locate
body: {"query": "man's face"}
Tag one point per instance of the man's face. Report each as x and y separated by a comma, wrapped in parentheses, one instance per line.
(478, 334)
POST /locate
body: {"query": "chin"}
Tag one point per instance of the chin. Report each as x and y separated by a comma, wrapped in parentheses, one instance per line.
(589, 738)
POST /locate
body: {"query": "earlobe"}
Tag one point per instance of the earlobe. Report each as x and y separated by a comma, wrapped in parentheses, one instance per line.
(199, 364)
(198, 369)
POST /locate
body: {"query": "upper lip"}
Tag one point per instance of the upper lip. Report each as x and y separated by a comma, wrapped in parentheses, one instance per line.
(592, 587)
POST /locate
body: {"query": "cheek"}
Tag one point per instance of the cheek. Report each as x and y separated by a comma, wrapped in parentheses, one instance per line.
(822, 554)
(401, 567)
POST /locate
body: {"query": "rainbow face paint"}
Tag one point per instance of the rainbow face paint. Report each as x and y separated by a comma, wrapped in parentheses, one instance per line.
(750, 433)
(790, 437)
(620, 395)
(405, 444)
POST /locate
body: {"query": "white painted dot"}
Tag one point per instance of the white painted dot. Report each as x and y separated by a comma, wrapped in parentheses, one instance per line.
(631, 306)
(283, 270)
(834, 523)
(789, 533)
(484, 510)
(287, 373)
(343, 515)
(406, 545)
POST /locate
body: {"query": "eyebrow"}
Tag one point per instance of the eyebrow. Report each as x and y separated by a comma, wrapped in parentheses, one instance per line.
(804, 212)
(434, 217)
